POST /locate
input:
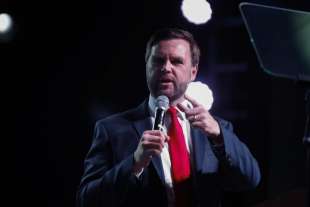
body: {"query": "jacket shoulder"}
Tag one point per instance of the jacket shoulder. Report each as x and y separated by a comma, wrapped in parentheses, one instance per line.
(130, 115)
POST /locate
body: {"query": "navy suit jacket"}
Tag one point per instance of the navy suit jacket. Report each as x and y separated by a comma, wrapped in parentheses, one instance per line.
(108, 178)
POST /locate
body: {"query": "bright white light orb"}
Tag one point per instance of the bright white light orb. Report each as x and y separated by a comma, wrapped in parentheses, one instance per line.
(196, 11)
(5, 22)
(201, 93)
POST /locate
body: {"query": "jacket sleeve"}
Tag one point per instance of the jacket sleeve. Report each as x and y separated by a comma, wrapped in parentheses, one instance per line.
(238, 167)
(103, 180)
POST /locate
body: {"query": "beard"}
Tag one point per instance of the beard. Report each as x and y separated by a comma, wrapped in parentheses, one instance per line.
(174, 90)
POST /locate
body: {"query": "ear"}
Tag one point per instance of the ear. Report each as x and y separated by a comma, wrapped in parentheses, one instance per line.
(194, 70)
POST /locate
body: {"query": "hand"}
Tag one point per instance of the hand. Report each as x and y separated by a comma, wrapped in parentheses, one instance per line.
(200, 117)
(151, 143)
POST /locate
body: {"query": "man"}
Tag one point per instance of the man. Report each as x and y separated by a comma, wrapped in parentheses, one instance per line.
(188, 163)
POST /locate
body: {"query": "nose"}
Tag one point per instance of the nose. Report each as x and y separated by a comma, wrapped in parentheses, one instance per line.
(167, 66)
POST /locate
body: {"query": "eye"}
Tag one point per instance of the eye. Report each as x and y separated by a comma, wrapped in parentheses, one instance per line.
(158, 60)
(177, 61)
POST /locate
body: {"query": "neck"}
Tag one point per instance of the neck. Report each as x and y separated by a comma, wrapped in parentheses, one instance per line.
(173, 101)
(177, 101)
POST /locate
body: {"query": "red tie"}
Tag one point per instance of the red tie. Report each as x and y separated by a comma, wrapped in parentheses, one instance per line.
(180, 162)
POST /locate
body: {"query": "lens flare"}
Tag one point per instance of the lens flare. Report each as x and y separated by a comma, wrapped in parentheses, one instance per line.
(196, 11)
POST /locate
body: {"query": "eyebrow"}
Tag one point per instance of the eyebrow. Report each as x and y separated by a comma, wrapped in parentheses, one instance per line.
(177, 58)
(163, 56)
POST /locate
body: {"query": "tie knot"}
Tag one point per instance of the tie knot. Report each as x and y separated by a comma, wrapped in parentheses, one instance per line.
(172, 110)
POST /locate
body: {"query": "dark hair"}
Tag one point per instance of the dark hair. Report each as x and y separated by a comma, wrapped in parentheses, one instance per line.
(174, 33)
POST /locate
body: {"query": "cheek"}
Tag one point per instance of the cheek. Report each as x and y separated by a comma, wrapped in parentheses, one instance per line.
(151, 74)
(184, 75)
(149, 70)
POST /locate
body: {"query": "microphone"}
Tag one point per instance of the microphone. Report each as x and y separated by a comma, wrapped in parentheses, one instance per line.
(161, 106)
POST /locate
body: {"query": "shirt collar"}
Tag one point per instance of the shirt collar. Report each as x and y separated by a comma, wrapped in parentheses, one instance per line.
(152, 106)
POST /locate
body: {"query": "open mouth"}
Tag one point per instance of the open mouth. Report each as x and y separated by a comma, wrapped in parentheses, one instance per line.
(166, 80)
(165, 83)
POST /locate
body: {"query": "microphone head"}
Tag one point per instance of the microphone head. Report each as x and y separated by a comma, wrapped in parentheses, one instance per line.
(162, 102)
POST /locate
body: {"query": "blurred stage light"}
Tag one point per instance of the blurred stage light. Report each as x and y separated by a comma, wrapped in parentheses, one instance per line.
(196, 11)
(5, 23)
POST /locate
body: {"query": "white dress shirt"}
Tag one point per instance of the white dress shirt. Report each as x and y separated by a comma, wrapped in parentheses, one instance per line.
(165, 157)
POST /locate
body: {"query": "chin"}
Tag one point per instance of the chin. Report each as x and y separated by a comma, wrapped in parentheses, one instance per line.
(167, 93)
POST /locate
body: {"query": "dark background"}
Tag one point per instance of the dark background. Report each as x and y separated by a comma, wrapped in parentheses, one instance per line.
(69, 63)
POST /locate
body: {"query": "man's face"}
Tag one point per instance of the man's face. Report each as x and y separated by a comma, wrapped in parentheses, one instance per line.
(169, 69)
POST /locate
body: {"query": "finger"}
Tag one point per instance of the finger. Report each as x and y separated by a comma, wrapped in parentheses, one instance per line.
(151, 145)
(151, 136)
(182, 107)
(199, 124)
(167, 138)
(154, 139)
(193, 101)
(198, 117)
(154, 132)
(152, 152)
(194, 111)
(193, 118)
(158, 133)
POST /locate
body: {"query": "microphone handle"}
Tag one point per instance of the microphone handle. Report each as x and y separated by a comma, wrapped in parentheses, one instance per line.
(159, 118)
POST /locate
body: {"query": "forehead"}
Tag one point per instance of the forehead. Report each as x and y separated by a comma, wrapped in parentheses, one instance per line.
(178, 47)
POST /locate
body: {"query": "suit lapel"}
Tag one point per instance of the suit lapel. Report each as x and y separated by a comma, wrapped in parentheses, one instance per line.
(199, 147)
(205, 159)
(143, 122)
